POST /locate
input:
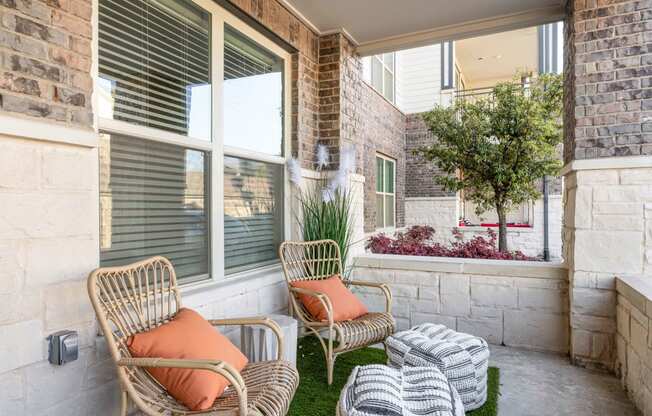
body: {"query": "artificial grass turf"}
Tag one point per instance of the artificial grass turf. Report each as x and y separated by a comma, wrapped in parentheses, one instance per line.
(316, 398)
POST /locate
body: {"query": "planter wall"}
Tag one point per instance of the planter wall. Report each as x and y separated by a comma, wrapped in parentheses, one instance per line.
(634, 339)
(518, 304)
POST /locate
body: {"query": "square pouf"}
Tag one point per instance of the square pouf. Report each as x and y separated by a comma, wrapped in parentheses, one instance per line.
(412, 391)
(463, 358)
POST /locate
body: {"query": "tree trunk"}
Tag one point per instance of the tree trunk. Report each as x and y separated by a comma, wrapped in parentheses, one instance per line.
(502, 229)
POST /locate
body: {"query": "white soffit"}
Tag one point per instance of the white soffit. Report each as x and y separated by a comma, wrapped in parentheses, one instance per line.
(388, 25)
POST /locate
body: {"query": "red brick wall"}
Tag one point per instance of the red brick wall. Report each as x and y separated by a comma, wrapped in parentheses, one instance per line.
(45, 60)
(609, 79)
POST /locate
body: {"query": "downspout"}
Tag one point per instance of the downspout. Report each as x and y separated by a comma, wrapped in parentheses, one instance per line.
(546, 243)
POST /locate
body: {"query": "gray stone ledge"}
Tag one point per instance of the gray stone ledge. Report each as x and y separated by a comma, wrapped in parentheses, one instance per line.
(506, 268)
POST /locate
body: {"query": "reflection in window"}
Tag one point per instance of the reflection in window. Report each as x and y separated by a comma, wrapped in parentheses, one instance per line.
(154, 65)
(253, 213)
(253, 96)
(153, 201)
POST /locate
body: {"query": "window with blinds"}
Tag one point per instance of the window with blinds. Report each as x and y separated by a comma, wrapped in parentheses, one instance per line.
(253, 95)
(153, 201)
(154, 65)
(253, 214)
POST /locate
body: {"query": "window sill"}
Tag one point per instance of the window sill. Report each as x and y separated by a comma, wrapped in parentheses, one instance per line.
(272, 271)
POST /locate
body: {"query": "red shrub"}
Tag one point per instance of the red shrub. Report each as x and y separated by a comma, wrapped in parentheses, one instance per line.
(417, 242)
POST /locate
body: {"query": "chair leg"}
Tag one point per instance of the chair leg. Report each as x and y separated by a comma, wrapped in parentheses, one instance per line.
(124, 404)
(330, 359)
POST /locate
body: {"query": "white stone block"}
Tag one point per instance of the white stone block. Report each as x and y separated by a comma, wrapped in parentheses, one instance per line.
(273, 298)
(67, 304)
(12, 266)
(594, 302)
(62, 165)
(426, 306)
(429, 293)
(454, 293)
(602, 349)
(593, 323)
(618, 208)
(583, 208)
(59, 215)
(621, 355)
(57, 260)
(622, 321)
(639, 335)
(48, 385)
(20, 166)
(608, 251)
(618, 222)
(581, 343)
(22, 306)
(484, 312)
(597, 177)
(417, 278)
(636, 176)
(491, 329)
(543, 299)
(536, 330)
(12, 393)
(494, 296)
(404, 291)
(22, 344)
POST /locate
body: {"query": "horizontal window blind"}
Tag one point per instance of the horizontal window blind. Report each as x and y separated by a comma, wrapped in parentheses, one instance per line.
(253, 219)
(154, 63)
(153, 201)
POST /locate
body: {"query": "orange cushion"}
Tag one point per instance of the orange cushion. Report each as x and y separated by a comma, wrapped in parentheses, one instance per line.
(346, 305)
(188, 336)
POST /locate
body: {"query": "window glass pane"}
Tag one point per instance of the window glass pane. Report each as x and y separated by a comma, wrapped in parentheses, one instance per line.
(389, 86)
(379, 175)
(154, 65)
(253, 95)
(253, 213)
(153, 201)
(389, 176)
(389, 60)
(377, 74)
(380, 213)
(389, 211)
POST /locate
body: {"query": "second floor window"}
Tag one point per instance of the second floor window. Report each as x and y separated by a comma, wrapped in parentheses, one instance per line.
(380, 72)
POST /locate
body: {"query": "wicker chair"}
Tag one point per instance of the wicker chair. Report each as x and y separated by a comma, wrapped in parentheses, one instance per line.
(316, 260)
(144, 295)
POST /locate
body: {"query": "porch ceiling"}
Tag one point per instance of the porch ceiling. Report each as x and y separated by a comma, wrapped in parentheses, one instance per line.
(389, 25)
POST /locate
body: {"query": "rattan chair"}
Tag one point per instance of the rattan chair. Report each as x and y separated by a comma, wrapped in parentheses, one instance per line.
(316, 260)
(144, 295)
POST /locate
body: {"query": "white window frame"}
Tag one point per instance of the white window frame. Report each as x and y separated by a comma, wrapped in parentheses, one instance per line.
(215, 148)
(386, 159)
(384, 67)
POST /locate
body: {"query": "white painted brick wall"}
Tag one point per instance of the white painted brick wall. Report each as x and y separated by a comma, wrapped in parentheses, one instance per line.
(443, 213)
(518, 304)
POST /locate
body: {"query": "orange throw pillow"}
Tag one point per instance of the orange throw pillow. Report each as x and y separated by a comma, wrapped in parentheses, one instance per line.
(346, 305)
(188, 336)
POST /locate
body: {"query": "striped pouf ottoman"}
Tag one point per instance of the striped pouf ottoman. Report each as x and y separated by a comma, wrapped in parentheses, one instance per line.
(375, 390)
(463, 358)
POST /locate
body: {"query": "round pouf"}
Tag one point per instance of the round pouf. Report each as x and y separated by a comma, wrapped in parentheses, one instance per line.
(463, 358)
(381, 390)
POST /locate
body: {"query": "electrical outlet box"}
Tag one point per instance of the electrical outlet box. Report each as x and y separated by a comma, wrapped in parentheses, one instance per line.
(63, 347)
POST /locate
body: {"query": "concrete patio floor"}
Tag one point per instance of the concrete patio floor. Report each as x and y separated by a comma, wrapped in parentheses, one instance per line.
(541, 384)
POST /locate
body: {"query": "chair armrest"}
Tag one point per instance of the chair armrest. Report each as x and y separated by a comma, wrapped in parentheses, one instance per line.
(322, 297)
(222, 368)
(257, 320)
(381, 286)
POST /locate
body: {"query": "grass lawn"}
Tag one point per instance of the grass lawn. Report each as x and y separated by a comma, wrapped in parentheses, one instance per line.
(316, 398)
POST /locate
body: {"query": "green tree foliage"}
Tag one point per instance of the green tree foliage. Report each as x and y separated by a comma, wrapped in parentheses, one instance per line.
(497, 148)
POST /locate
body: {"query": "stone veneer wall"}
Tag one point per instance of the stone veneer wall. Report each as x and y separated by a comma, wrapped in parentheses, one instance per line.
(607, 233)
(634, 340)
(518, 304)
(608, 103)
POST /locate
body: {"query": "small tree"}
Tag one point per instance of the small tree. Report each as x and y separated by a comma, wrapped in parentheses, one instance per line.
(498, 148)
